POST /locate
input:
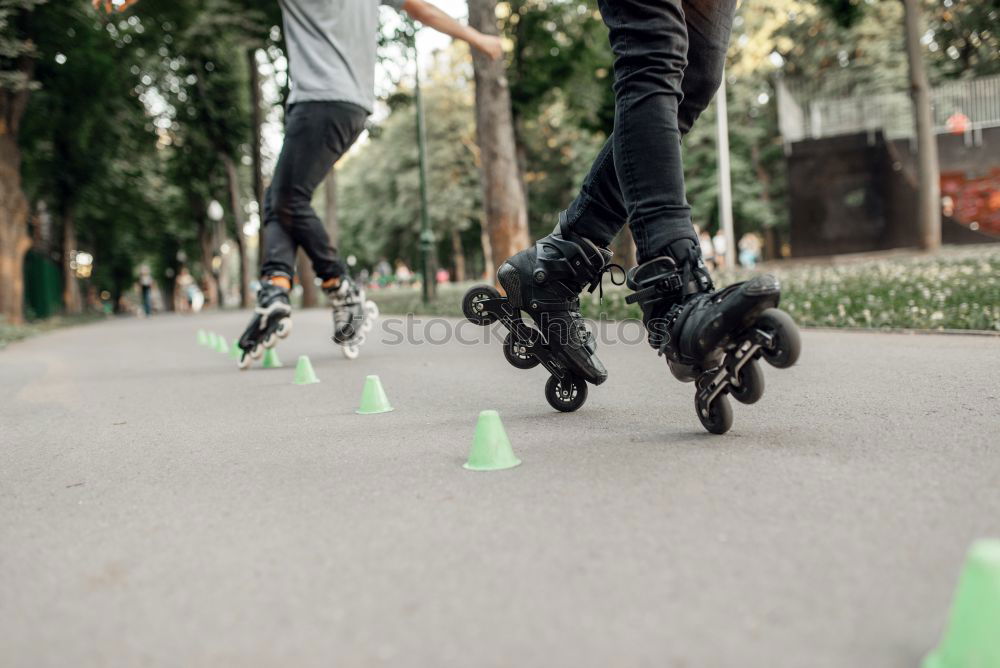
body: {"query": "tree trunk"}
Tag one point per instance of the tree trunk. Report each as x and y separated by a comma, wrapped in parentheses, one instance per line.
(503, 196)
(484, 240)
(72, 303)
(206, 239)
(233, 179)
(928, 168)
(14, 239)
(307, 278)
(256, 121)
(458, 255)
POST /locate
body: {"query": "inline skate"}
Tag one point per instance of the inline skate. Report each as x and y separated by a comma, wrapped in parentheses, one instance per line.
(353, 316)
(272, 320)
(545, 281)
(713, 338)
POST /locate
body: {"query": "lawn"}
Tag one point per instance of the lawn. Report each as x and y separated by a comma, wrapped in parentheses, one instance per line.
(958, 289)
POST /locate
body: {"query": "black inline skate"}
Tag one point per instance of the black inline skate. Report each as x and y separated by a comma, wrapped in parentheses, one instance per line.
(272, 320)
(713, 338)
(353, 316)
(545, 281)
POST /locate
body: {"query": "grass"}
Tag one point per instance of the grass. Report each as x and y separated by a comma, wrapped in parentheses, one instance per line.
(954, 290)
(10, 333)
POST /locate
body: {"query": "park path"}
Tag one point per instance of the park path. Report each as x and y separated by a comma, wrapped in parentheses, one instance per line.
(159, 508)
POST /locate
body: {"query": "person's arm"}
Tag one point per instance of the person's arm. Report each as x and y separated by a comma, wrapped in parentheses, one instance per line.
(432, 17)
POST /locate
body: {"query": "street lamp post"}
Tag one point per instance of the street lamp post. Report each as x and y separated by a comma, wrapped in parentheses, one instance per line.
(725, 183)
(426, 233)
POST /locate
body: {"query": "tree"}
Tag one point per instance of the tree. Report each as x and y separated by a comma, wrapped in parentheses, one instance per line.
(503, 191)
(928, 167)
(16, 71)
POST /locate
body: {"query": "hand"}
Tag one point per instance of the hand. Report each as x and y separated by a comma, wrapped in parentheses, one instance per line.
(489, 45)
(108, 6)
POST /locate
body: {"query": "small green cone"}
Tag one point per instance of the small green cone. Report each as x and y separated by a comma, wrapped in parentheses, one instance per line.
(491, 449)
(202, 338)
(304, 374)
(235, 352)
(271, 360)
(221, 345)
(972, 639)
(213, 340)
(373, 399)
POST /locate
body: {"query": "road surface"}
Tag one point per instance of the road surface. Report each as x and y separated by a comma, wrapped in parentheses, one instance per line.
(160, 508)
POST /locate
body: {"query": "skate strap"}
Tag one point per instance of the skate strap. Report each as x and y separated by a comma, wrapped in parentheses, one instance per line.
(547, 305)
(671, 284)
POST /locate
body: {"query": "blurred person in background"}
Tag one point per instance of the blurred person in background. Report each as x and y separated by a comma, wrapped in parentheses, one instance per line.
(749, 245)
(146, 289)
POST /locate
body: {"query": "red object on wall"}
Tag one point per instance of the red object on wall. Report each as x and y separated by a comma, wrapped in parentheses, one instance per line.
(974, 200)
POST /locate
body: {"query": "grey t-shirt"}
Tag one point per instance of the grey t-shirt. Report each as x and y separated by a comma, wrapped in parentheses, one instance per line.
(331, 49)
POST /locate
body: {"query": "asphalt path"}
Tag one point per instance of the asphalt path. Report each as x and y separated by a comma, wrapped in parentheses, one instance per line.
(160, 508)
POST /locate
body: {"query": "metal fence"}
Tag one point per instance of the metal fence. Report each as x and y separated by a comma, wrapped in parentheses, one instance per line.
(966, 106)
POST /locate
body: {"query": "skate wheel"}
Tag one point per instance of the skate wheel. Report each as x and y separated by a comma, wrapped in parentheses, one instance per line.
(716, 417)
(284, 328)
(360, 339)
(271, 340)
(257, 352)
(566, 394)
(474, 310)
(751, 384)
(514, 352)
(371, 309)
(244, 362)
(367, 325)
(350, 351)
(786, 344)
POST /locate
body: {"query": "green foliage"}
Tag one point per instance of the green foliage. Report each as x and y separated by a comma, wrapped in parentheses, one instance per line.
(379, 198)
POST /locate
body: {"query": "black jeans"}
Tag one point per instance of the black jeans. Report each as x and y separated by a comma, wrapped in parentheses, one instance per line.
(316, 135)
(669, 58)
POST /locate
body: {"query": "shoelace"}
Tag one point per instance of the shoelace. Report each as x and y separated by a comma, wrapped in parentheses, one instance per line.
(598, 282)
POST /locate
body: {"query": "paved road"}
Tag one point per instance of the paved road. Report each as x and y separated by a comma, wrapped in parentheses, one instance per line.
(159, 508)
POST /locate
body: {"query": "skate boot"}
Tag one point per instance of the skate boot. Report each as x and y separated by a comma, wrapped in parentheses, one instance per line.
(353, 316)
(713, 338)
(546, 281)
(271, 321)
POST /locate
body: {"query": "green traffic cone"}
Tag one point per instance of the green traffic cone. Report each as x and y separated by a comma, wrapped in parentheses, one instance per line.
(304, 374)
(213, 340)
(972, 639)
(236, 352)
(271, 360)
(491, 449)
(202, 338)
(373, 399)
(220, 344)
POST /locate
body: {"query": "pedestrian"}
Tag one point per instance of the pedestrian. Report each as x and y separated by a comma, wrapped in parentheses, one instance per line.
(721, 246)
(706, 246)
(146, 288)
(749, 245)
(669, 57)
